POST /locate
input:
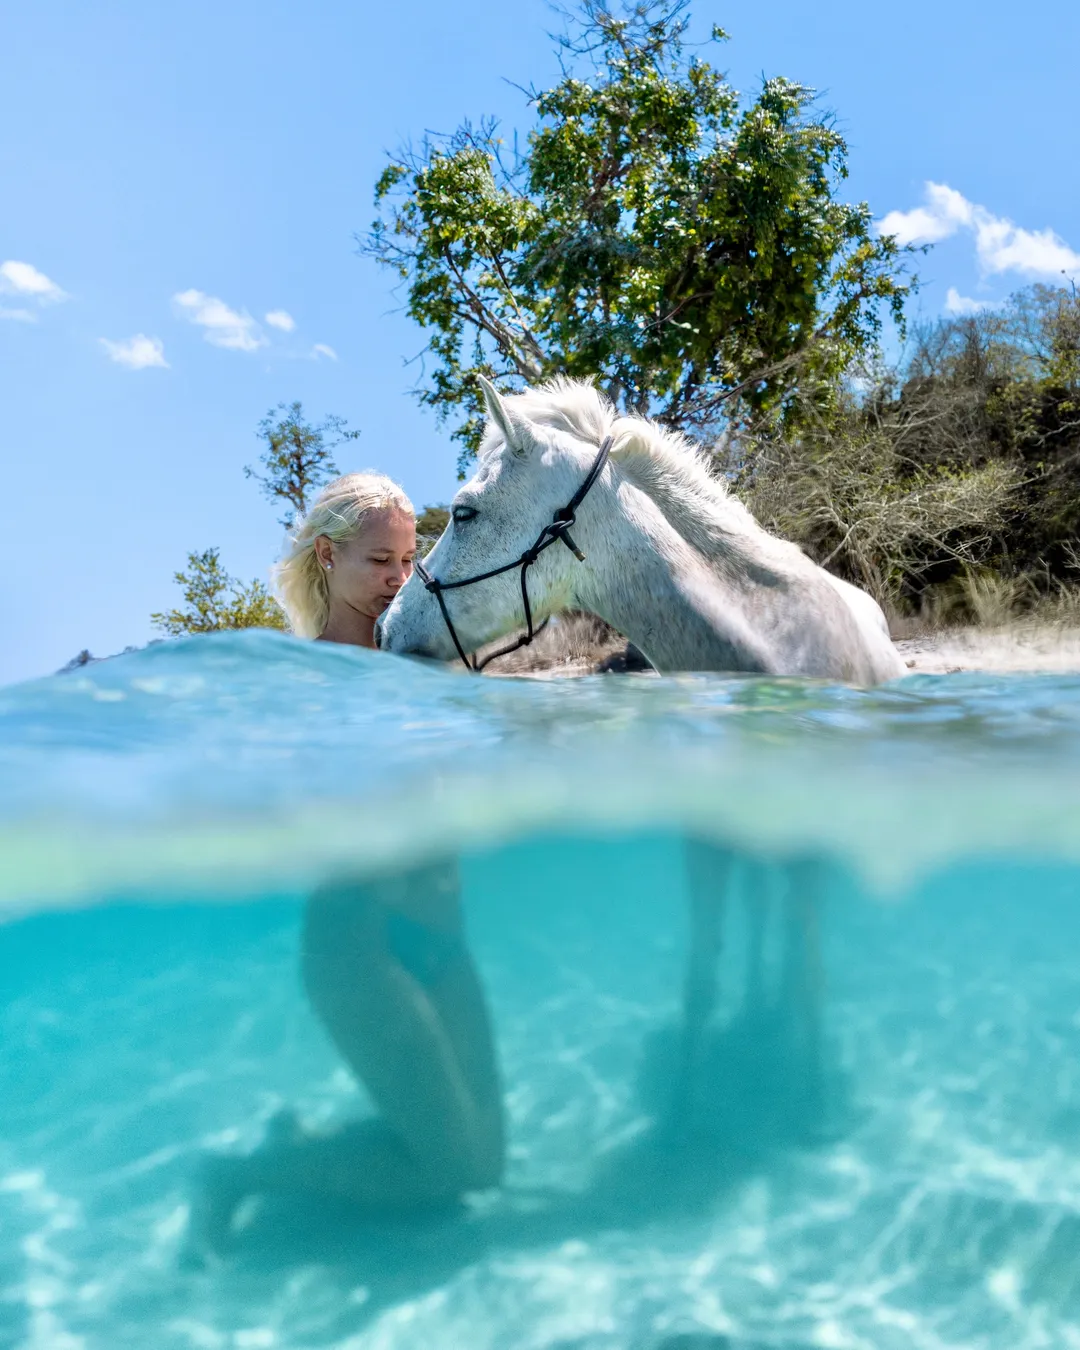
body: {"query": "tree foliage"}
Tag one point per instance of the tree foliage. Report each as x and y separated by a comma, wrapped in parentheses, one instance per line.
(687, 249)
(298, 458)
(430, 523)
(960, 467)
(213, 600)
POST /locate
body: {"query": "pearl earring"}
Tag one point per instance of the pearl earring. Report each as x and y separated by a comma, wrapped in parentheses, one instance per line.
(329, 567)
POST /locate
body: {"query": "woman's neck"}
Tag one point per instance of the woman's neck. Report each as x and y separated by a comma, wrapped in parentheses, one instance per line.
(348, 626)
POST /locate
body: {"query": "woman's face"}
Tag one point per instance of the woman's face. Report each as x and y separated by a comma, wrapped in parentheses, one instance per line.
(370, 568)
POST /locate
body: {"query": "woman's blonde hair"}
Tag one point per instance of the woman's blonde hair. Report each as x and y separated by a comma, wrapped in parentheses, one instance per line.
(339, 512)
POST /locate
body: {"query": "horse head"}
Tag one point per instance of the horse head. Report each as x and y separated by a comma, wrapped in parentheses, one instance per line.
(529, 469)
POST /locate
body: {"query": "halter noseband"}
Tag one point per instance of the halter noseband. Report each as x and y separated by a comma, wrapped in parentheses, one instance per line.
(558, 529)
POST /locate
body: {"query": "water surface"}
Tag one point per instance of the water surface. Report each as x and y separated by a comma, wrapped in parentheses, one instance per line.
(163, 816)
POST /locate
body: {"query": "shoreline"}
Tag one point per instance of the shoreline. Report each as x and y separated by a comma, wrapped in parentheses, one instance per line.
(584, 646)
(1021, 648)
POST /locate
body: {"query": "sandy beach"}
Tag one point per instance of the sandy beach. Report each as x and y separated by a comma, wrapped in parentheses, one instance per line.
(1021, 648)
(580, 646)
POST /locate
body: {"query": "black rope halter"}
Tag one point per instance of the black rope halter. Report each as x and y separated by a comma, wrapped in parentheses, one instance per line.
(559, 529)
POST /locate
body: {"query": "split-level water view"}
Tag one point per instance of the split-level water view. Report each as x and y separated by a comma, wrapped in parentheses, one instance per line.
(775, 988)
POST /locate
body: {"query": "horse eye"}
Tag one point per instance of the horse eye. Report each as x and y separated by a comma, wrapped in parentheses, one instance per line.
(464, 513)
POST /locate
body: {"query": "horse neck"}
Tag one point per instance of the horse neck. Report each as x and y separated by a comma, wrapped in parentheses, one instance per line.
(673, 603)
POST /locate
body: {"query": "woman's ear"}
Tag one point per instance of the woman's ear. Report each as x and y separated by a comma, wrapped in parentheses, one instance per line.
(324, 551)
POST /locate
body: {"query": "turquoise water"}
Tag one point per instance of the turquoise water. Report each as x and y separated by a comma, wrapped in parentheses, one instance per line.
(909, 1177)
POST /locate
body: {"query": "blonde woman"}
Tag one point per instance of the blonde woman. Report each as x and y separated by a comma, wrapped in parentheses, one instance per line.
(384, 962)
(348, 558)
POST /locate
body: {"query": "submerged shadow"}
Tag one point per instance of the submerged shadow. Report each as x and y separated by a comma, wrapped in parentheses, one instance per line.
(752, 1110)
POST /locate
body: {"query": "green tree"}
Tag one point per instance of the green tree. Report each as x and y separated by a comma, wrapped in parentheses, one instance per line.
(214, 600)
(430, 523)
(954, 473)
(689, 251)
(298, 458)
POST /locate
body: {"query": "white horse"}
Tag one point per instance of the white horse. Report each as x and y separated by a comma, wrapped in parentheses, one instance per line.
(681, 568)
(674, 561)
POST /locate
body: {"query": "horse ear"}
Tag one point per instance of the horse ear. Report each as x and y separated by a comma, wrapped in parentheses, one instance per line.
(512, 428)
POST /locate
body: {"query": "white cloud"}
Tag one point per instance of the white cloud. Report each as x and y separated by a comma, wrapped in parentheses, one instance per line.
(222, 326)
(23, 278)
(280, 318)
(955, 303)
(1004, 247)
(137, 353)
(1000, 245)
(321, 349)
(946, 210)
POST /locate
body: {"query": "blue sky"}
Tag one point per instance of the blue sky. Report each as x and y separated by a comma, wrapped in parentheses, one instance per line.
(225, 153)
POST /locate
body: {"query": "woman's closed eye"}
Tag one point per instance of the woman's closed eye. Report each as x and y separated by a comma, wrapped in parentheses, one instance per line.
(464, 513)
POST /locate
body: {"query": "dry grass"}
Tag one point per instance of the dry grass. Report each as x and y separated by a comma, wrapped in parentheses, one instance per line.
(993, 603)
(851, 502)
(986, 622)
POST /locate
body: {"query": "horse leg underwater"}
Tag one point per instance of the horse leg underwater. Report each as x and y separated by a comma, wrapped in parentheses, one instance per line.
(710, 873)
(709, 870)
(804, 973)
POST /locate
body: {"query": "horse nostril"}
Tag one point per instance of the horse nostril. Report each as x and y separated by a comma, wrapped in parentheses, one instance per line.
(378, 636)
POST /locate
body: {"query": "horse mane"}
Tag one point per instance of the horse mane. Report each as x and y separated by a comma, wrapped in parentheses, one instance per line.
(666, 465)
